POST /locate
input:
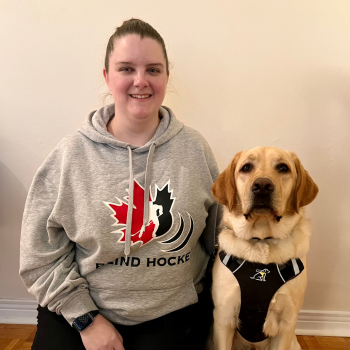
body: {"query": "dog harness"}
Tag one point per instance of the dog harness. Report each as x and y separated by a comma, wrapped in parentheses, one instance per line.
(258, 283)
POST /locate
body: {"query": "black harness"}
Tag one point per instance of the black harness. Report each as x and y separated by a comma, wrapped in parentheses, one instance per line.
(258, 283)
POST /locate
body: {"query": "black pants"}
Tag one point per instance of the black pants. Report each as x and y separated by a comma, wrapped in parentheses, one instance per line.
(185, 329)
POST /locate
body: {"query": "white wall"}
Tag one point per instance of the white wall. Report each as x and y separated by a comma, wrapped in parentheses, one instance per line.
(245, 73)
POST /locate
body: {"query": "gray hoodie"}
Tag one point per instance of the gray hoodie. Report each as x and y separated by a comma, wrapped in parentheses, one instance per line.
(123, 229)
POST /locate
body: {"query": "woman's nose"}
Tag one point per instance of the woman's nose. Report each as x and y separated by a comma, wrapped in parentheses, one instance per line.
(140, 80)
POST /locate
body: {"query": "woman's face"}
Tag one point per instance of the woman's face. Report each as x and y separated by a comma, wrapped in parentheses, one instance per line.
(137, 77)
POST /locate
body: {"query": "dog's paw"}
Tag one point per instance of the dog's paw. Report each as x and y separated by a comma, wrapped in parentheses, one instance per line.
(272, 323)
(280, 315)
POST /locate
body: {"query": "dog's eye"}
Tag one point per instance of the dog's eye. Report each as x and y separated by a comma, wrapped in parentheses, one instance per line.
(246, 168)
(282, 168)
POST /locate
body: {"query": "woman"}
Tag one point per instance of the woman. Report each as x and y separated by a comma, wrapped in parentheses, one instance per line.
(119, 221)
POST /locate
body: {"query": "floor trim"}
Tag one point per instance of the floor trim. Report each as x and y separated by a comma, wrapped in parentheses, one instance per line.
(323, 323)
(310, 322)
(20, 311)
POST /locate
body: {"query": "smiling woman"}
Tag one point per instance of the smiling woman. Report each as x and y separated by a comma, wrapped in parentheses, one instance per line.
(120, 221)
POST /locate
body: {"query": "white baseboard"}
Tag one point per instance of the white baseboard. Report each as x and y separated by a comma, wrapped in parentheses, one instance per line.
(310, 322)
(323, 323)
(20, 311)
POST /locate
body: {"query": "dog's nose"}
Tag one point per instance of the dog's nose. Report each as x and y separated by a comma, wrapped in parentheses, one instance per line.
(263, 186)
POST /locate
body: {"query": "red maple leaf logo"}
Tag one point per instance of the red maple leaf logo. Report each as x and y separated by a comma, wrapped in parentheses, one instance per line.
(120, 215)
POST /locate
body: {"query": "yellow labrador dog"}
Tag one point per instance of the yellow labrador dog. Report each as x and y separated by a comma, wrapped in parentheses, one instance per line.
(259, 273)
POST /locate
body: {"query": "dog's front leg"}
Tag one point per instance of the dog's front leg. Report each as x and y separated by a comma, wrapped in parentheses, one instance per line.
(281, 321)
(224, 330)
(227, 299)
(283, 314)
(284, 337)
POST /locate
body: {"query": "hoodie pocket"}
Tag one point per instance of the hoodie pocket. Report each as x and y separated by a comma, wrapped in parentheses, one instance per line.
(136, 306)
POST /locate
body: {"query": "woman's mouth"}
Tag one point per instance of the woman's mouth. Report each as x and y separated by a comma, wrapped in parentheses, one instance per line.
(140, 96)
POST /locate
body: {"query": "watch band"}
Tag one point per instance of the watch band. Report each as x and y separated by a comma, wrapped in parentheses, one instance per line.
(84, 321)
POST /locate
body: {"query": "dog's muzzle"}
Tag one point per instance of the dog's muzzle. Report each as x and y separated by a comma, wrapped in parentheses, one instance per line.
(262, 191)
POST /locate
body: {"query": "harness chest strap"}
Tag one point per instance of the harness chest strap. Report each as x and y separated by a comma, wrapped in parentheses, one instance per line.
(258, 284)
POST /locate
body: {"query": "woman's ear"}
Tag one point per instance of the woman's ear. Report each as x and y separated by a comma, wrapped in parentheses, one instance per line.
(105, 75)
(305, 190)
(224, 188)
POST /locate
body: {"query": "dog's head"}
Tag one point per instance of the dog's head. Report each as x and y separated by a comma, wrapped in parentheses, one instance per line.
(265, 181)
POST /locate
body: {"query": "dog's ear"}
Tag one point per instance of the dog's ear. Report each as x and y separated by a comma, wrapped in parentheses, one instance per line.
(305, 190)
(224, 188)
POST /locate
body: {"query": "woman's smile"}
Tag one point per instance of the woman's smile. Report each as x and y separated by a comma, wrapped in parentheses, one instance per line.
(142, 97)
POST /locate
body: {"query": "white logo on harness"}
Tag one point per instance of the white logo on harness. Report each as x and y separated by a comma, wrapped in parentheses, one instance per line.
(260, 275)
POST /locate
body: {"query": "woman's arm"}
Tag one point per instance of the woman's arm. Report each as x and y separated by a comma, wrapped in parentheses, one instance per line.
(48, 269)
(47, 265)
(101, 335)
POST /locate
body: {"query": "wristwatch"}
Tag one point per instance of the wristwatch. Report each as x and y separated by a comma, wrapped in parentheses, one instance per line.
(84, 321)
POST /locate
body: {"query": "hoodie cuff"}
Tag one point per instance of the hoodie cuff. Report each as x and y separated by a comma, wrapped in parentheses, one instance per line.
(77, 306)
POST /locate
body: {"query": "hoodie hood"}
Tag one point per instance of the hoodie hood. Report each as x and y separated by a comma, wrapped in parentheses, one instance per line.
(95, 128)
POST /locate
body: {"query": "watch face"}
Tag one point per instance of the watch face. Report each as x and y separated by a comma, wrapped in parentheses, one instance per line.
(80, 323)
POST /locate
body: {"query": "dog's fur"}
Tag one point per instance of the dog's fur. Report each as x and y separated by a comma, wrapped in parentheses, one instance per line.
(279, 215)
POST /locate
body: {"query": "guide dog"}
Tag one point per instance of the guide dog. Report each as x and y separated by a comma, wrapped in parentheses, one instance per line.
(259, 273)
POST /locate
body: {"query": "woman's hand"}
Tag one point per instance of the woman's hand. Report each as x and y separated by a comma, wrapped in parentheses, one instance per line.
(101, 335)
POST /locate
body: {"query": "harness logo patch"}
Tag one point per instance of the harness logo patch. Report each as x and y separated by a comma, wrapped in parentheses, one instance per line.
(260, 275)
(160, 219)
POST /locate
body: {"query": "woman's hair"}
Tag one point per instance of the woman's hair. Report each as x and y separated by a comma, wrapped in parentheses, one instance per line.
(141, 28)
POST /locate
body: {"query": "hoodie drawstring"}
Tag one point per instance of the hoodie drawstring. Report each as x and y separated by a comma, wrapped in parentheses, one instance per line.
(131, 197)
(147, 184)
(130, 206)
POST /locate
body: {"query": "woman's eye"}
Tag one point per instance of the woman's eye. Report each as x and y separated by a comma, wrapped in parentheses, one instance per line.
(246, 168)
(153, 70)
(282, 168)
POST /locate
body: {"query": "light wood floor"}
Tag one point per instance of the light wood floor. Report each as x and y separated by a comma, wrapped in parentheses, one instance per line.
(20, 337)
(16, 337)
